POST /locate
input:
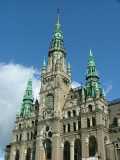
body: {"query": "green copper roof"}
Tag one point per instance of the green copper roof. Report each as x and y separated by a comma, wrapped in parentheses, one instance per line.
(93, 86)
(26, 107)
(91, 69)
(57, 38)
(28, 93)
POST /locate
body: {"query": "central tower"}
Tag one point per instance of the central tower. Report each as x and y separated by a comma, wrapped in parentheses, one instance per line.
(55, 75)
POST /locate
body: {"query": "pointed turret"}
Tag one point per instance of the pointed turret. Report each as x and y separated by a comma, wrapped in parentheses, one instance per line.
(27, 103)
(44, 66)
(93, 86)
(91, 69)
(69, 70)
(57, 42)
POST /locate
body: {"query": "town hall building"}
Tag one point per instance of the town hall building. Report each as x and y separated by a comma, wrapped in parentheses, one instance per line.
(66, 123)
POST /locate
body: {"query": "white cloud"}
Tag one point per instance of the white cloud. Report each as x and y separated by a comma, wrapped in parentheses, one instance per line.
(13, 79)
(108, 89)
(75, 84)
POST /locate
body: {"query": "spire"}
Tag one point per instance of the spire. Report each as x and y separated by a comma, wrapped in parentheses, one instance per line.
(69, 70)
(91, 69)
(57, 42)
(26, 107)
(44, 66)
(93, 86)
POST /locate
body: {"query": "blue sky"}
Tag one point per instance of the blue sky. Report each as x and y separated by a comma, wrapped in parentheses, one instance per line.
(26, 27)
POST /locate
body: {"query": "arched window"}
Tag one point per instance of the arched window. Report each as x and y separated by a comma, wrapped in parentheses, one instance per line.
(29, 154)
(90, 108)
(74, 113)
(20, 126)
(69, 113)
(88, 122)
(93, 121)
(77, 150)
(92, 146)
(64, 128)
(48, 149)
(74, 126)
(20, 137)
(68, 127)
(17, 155)
(49, 101)
(66, 154)
(79, 124)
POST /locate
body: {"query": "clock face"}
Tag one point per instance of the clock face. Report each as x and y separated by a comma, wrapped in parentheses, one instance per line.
(58, 35)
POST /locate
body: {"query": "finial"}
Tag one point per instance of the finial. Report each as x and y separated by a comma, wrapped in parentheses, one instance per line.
(44, 62)
(69, 66)
(58, 18)
(91, 54)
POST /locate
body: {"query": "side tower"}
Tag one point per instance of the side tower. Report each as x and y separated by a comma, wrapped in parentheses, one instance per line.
(94, 115)
(55, 85)
(23, 144)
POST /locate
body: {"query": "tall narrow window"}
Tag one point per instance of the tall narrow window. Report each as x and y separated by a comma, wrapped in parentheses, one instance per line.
(88, 122)
(74, 113)
(74, 126)
(17, 155)
(29, 154)
(68, 127)
(48, 149)
(93, 121)
(90, 108)
(92, 146)
(77, 150)
(69, 114)
(20, 137)
(115, 122)
(66, 154)
(79, 124)
(64, 128)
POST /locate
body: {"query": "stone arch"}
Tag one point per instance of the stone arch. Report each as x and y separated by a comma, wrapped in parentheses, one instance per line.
(92, 146)
(28, 154)
(77, 150)
(66, 154)
(17, 155)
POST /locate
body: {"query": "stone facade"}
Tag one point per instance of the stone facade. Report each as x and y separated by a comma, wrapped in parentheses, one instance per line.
(65, 123)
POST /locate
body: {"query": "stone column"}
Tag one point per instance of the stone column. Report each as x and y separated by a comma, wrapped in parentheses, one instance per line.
(85, 146)
(72, 150)
(57, 148)
(40, 152)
